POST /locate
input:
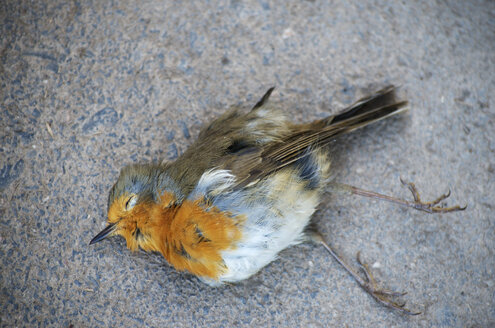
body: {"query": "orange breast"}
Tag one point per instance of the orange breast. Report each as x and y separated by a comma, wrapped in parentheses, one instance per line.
(192, 238)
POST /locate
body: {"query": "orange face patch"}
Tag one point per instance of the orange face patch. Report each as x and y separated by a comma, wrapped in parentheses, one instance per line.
(129, 219)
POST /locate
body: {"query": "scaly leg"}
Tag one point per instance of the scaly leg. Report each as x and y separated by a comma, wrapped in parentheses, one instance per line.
(418, 204)
(369, 284)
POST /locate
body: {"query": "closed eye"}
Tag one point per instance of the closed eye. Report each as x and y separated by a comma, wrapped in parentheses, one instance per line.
(131, 201)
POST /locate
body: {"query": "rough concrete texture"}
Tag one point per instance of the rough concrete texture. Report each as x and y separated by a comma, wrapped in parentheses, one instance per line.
(88, 87)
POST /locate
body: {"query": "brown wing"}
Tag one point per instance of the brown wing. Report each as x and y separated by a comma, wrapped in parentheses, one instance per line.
(260, 163)
(233, 138)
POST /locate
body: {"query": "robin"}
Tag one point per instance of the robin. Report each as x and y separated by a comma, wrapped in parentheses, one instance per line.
(244, 191)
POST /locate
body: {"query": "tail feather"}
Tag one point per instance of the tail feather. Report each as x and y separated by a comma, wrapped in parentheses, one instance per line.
(361, 119)
(369, 109)
(319, 133)
(384, 97)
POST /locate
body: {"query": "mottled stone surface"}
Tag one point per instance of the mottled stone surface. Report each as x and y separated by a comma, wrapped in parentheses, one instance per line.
(89, 86)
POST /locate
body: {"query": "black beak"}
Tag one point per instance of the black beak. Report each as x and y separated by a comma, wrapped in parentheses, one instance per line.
(103, 234)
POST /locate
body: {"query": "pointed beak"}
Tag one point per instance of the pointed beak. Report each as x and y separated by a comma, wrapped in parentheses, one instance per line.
(103, 234)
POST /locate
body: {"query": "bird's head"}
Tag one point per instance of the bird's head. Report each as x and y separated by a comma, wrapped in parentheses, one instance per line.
(132, 205)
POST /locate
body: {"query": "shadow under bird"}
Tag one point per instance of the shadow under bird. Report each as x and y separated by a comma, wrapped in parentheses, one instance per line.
(244, 191)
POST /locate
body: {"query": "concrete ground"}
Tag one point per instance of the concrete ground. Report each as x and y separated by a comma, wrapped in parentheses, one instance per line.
(90, 86)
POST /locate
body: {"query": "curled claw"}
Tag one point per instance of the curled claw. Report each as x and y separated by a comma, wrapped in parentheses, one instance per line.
(430, 207)
(417, 203)
(412, 187)
(369, 284)
(381, 295)
(439, 199)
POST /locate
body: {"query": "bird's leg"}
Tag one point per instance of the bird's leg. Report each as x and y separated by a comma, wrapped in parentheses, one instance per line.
(418, 204)
(369, 284)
